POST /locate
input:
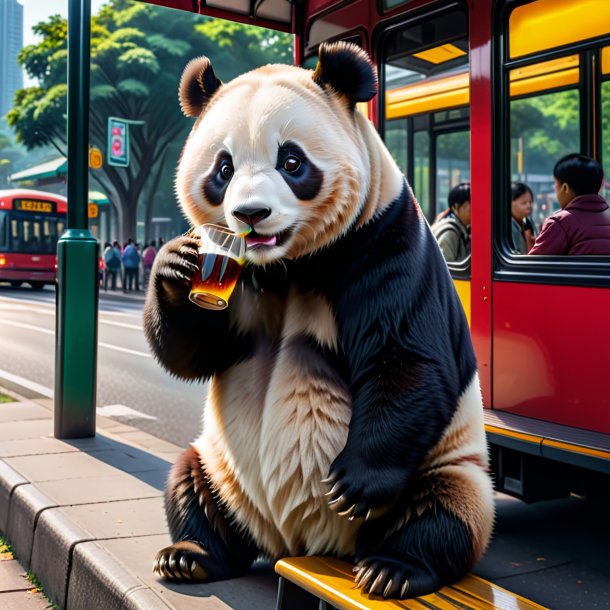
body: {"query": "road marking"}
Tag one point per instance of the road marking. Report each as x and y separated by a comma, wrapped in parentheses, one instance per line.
(50, 311)
(26, 383)
(125, 350)
(122, 411)
(116, 348)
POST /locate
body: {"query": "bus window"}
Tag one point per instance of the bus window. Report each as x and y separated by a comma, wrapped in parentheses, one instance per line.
(543, 128)
(426, 113)
(557, 105)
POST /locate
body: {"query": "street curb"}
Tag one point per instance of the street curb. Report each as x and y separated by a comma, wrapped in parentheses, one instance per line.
(75, 570)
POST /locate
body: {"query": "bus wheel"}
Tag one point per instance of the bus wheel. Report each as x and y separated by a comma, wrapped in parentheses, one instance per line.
(37, 285)
(16, 283)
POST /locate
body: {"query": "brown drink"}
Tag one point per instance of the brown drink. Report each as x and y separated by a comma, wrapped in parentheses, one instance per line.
(214, 282)
(221, 257)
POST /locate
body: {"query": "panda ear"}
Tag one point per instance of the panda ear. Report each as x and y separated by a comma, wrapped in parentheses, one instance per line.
(346, 68)
(197, 85)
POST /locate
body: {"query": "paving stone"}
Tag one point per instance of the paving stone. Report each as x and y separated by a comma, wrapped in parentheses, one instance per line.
(23, 600)
(59, 466)
(27, 503)
(9, 480)
(12, 576)
(89, 490)
(55, 538)
(34, 446)
(12, 431)
(22, 411)
(120, 519)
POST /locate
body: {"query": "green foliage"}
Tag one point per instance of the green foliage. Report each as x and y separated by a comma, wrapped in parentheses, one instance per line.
(138, 52)
(549, 127)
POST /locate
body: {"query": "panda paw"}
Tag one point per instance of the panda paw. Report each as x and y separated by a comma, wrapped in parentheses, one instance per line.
(175, 266)
(361, 492)
(392, 578)
(181, 562)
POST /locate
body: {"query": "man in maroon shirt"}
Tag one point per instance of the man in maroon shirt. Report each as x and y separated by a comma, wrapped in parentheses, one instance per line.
(582, 226)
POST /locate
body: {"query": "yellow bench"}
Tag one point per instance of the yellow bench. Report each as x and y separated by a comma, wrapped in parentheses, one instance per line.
(331, 582)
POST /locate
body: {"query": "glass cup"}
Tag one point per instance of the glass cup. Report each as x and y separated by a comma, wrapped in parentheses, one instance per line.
(221, 258)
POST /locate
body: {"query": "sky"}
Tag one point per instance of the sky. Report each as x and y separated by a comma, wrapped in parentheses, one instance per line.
(38, 10)
(35, 11)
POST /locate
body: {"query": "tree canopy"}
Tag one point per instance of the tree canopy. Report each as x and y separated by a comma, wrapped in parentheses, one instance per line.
(138, 52)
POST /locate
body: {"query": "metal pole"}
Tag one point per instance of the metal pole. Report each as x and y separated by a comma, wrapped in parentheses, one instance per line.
(77, 253)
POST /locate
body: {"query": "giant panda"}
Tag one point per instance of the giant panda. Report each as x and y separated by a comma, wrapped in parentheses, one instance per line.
(344, 415)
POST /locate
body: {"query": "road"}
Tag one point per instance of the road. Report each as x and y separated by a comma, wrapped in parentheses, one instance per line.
(127, 374)
(556, 553)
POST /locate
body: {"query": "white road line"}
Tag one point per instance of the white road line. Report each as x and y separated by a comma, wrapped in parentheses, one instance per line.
(52, 332)
(125, 350)
(26, 383)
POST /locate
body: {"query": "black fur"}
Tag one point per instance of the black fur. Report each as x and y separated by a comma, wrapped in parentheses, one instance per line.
(194, 514)
(191, 342)
(197, 86)
(347, 70)
(307, 181)
(428, 552)
(405, 341)
(215, 185)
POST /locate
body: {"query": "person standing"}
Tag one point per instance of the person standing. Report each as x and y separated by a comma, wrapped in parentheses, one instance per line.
(582, 225)
(112, 265)
(452, 230)
(131, 262)
(148, 258)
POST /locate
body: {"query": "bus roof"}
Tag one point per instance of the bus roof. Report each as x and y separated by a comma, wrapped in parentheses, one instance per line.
(8, 195)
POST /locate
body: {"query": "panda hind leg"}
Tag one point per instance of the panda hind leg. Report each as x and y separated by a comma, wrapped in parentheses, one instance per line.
(207, 546)
(444, 529)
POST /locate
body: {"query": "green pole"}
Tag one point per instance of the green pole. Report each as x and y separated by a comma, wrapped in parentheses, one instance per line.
(77, 253)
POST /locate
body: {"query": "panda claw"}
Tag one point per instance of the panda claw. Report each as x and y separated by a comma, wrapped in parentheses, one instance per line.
(388, 588)
(328, 480)
(377, 583)
(404, 589)
(333, 491)
(349, 512)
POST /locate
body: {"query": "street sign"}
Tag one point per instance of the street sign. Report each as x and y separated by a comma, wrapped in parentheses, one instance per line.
(95, 158)
(92, 210)
(118, 142)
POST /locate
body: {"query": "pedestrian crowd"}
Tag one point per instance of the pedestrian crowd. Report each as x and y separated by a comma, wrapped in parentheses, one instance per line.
(128, 265)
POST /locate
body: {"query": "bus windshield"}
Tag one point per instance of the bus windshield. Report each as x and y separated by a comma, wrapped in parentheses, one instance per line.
(30, 233)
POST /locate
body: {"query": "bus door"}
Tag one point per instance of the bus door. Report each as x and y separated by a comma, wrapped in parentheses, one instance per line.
(426, 119)
(550, 330)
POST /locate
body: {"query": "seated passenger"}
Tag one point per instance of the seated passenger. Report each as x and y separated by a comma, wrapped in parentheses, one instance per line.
(523, 229)
(452, 231)
(582, 226)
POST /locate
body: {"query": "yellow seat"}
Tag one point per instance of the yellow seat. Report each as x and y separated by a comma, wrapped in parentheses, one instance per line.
(332, 581)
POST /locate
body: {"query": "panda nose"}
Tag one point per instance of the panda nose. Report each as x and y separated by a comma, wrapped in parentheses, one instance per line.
(251, 215)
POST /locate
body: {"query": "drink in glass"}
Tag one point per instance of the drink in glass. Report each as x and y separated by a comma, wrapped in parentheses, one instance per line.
(221, 258)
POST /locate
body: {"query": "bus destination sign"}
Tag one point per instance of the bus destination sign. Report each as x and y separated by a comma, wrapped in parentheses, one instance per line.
(33, 205)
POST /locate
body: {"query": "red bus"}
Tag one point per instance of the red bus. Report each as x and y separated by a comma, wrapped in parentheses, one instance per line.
(31, 222)
(493, 92)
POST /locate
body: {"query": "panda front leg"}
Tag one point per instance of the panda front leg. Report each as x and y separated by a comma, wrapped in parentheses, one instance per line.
(207, 546)
(439, 532)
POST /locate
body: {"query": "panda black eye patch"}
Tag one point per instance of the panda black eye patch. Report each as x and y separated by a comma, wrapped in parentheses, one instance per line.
(216, 182)
(299, 172)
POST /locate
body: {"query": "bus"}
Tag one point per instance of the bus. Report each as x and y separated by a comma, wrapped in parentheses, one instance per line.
(491, 92)
(31, 222)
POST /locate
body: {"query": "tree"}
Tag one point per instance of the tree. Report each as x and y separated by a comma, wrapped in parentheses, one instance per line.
(138, 52)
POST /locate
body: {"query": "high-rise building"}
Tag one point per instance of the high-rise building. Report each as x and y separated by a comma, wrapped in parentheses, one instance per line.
(11, 42)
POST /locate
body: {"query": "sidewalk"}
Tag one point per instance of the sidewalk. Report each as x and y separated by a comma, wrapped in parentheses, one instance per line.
(86, 517)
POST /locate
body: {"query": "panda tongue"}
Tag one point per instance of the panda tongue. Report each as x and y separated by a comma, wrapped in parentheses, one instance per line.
(261, 240)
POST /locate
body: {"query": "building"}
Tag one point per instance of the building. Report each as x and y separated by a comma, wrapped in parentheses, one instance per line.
(11, 42)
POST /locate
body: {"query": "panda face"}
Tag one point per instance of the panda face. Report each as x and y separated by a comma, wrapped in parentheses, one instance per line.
(275, 154)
